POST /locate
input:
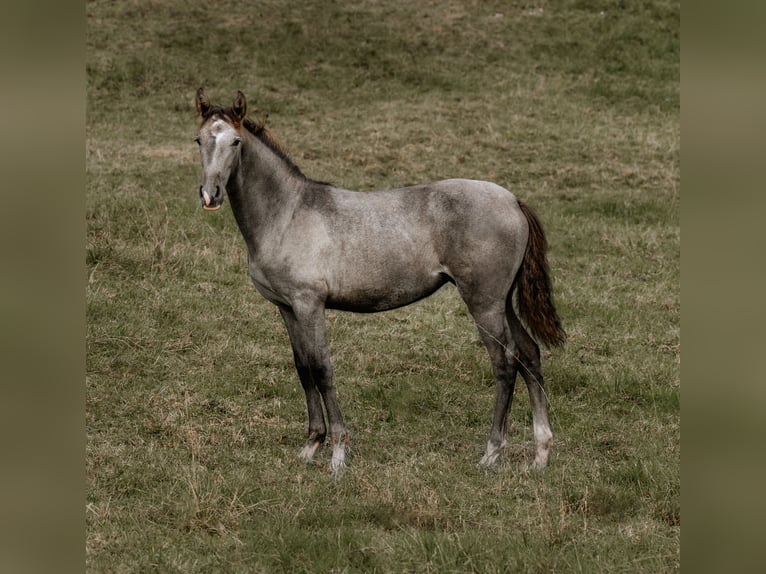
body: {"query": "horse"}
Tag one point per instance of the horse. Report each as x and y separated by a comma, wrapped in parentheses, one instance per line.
(313, 246)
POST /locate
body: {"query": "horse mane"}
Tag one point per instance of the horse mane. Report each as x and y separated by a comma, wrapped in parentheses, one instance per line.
(263, 133)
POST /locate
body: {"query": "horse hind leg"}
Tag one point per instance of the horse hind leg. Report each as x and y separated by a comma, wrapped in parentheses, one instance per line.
(497, 339)
(531, 369)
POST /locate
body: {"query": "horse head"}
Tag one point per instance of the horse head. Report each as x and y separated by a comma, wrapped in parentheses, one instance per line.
(219, 141)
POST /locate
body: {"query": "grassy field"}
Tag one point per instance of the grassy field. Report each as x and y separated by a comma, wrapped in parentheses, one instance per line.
(194, 411)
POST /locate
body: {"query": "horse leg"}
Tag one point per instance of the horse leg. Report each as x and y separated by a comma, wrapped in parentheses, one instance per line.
(496, 336)
(316, 429)
(310, 345)
(531, 370)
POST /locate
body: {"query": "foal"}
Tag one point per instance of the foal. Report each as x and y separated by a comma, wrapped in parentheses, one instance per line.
(312, 246)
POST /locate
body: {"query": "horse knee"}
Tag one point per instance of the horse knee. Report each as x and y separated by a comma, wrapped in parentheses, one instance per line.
(322, 373)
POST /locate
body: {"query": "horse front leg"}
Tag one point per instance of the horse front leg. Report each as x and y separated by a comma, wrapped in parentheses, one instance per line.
(309, 340)
(317, 430)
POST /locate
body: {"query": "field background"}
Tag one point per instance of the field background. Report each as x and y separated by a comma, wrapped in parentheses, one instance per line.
(194, 412)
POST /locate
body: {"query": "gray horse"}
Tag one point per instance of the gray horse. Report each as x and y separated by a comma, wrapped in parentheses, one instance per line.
(312, 246)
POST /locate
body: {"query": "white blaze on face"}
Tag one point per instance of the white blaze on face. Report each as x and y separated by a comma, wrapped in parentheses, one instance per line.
(223, 132)
(219, 154)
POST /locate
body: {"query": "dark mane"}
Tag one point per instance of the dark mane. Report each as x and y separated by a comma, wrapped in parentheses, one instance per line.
(259, 130)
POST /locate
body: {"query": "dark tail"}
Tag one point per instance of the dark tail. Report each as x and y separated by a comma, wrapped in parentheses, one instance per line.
(533, 284)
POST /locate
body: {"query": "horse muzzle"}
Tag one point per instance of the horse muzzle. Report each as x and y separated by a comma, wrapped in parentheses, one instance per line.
(211, 202)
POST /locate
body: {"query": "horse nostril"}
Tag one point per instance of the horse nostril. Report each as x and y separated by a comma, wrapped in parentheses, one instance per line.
(217, 192)
(200, 191)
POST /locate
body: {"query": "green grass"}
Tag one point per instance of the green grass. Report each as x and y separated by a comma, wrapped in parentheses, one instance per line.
(194, 412)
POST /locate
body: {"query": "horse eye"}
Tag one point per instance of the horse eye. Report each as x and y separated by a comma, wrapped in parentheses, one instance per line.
(197, 140)
(236, 141)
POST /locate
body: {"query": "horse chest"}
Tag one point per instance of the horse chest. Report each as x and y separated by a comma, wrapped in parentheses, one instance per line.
(262, 283)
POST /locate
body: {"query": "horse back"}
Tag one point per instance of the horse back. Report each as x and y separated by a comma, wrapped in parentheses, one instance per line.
(372, 251)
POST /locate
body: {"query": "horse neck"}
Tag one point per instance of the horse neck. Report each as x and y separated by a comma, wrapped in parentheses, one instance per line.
(263, 191)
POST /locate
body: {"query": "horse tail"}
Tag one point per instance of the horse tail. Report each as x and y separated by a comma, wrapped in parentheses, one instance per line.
(533, 284)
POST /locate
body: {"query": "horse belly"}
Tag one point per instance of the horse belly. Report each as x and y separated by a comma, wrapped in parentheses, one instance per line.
(370, 292)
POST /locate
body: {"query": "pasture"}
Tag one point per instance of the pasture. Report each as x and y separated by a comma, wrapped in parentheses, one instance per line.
(194, 412)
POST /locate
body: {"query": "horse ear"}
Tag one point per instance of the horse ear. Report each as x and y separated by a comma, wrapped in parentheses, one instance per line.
(240, 106)
(203, 103)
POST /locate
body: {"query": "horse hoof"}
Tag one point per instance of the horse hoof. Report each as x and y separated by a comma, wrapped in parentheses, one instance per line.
(492, 453)
(540, 463)
(338, 470)
(489, 459)
(338, 462)
(309, 450)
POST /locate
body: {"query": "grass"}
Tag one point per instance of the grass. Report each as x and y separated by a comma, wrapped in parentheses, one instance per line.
(194, 412)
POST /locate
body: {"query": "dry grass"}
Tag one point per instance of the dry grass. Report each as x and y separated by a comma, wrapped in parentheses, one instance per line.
(194, 413)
